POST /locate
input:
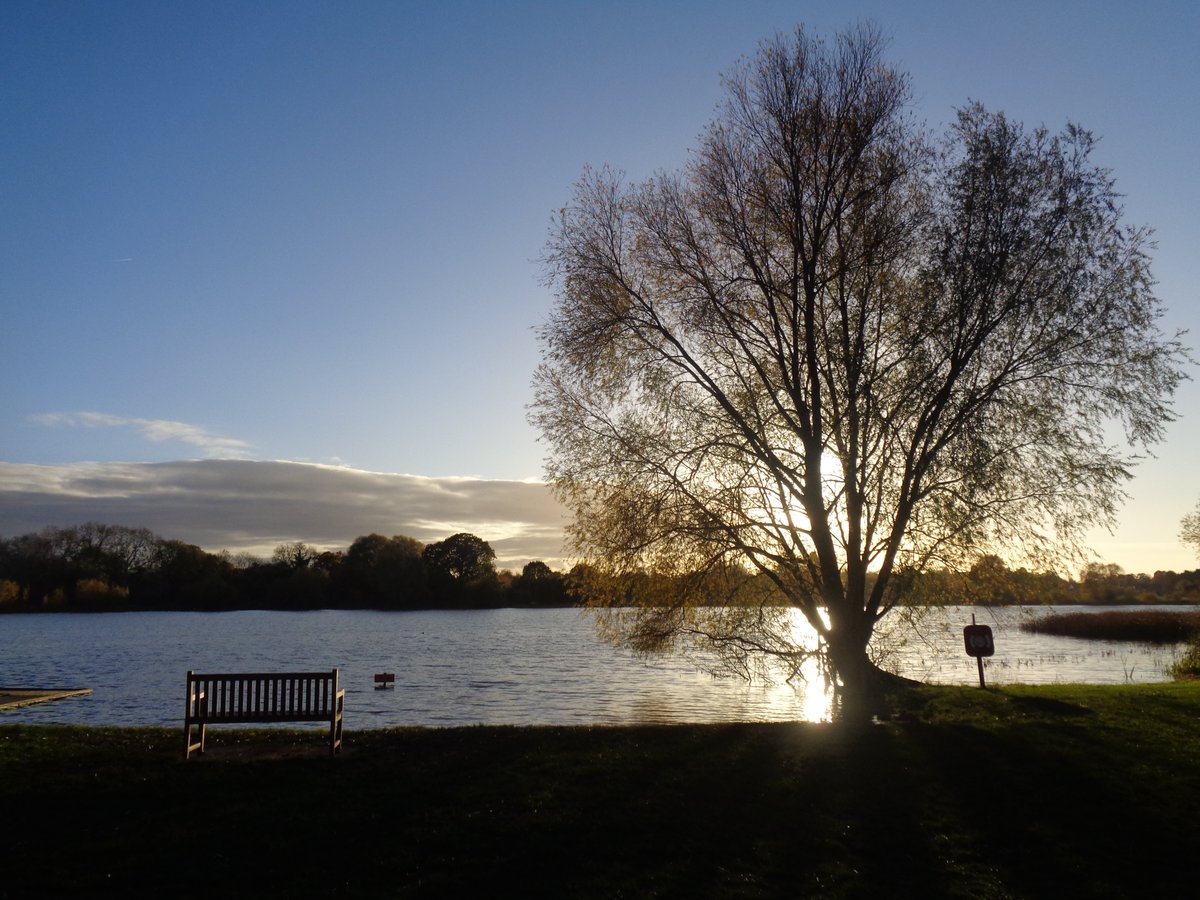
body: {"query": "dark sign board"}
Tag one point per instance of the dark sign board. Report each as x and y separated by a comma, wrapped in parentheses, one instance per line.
(978, 639)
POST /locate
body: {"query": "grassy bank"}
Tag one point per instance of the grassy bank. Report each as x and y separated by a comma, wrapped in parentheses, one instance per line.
(1015, 792)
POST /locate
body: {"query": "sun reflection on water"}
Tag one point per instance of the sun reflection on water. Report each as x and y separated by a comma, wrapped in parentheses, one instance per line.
(812, 682)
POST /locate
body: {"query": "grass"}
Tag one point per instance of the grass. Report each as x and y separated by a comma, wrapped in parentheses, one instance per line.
(1045, 791)
(1148, 626)
(1187, 667)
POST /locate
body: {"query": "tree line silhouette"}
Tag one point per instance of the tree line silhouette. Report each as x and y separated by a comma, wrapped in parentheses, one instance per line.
(97, 567)
(112, 567)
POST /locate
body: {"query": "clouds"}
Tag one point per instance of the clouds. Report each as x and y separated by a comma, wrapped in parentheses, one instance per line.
(227, 501)
(156, 430)
(252, 506)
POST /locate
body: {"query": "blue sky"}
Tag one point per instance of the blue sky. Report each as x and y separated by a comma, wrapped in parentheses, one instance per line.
(308, 233)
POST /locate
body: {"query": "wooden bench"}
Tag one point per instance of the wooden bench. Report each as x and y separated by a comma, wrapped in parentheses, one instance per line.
(249, 698)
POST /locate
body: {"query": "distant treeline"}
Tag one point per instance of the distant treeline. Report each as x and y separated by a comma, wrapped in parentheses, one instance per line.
(112, 567)
(989, 582)
(96, 567)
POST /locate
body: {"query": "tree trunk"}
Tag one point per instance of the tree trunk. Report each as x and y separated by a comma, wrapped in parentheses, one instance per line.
(861, 687)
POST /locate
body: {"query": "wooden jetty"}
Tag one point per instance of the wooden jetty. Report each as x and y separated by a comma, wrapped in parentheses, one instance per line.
(11, 698)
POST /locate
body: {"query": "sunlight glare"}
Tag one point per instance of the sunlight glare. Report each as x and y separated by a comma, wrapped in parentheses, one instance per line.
(813, 686)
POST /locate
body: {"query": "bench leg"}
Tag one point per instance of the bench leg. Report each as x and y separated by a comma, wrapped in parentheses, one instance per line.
(188, 744)
(335, 736)
(335, 726)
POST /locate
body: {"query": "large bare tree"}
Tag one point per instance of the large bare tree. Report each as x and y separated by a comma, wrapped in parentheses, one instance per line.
(833, 351)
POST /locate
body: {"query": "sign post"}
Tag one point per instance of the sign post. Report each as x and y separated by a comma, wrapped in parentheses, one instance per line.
(979, 643)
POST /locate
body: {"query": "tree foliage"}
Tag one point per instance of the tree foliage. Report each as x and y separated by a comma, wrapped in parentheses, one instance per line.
(835, 352)
(384, 571)
(462, 569)
(1189, 529)
(47, 571)
(539, 585)
(460, 557)
(98, 567)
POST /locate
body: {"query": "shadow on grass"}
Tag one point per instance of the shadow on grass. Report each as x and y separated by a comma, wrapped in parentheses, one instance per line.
(1011, 794)
(1048, 706)
(1069, 798)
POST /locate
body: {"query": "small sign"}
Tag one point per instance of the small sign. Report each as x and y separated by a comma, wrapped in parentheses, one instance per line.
(978, 639)
(385, 680)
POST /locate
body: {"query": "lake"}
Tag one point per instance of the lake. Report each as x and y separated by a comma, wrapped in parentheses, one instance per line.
(507, 666)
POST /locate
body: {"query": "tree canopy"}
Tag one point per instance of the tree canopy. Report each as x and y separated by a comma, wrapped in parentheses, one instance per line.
(461, 557)
(98, 567)
(833, 351)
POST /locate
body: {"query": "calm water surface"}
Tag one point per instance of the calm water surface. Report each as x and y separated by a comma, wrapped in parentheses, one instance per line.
(518, 667)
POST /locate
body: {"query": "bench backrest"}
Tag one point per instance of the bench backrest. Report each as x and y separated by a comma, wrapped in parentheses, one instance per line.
(262, 696)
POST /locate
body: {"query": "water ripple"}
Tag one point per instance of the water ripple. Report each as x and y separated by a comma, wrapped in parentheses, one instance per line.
(514, 667)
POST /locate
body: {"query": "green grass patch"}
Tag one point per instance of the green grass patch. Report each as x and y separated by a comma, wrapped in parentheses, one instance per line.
(1142, 625)
(1010, 792)
(1187, 667)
